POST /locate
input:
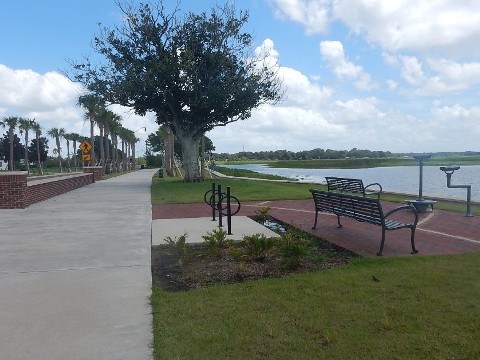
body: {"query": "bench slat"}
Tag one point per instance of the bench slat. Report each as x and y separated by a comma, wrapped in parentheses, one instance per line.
(350, 185)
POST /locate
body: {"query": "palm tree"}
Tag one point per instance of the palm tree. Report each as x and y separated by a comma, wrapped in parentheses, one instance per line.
(57, 134)
(38, 132)
(75, 137)
(109, 120)
(68, 137)
(92, 104)
(101, 120)
(122, 134)
(115, 126)
(25, 125)
(131, 139)
(11, 122)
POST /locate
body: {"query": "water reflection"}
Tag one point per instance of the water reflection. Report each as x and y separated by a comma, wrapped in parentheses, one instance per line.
(401, 179)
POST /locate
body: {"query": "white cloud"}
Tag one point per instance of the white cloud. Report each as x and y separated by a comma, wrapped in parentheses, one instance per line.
(412, 70)
(275, 128)
(314, 116)
(334, 54)
(314, 15)
(267, 50)
(411, 24)
(460, 75)
(22, 90)
(51, 99)
(394, 25)
(301, 92)
(391, 84)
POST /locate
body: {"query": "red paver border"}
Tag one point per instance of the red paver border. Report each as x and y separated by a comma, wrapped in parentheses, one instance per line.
(440, 233)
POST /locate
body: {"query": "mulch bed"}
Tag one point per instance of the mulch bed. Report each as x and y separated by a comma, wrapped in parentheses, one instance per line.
(172, 270)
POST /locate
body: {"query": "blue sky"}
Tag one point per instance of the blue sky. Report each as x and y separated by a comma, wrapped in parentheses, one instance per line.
(401, 76)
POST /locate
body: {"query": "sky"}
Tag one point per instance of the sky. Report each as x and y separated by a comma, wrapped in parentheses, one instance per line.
(399, 76)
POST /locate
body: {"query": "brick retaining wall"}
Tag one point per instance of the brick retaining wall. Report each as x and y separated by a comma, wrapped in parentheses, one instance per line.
(18, 192)
(97, 171)
(12, 189)
(43, 189)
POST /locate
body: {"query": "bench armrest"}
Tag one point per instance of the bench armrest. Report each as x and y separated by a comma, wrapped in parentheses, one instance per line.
(379, 191)
(405, 207)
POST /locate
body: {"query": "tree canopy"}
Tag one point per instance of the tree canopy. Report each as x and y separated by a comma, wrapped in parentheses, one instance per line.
(194, 72)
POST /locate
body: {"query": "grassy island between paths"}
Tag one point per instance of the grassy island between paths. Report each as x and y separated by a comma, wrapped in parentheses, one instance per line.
(381, 308)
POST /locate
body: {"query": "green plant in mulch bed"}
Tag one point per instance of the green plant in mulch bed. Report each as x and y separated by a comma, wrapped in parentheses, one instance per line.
(215, 241)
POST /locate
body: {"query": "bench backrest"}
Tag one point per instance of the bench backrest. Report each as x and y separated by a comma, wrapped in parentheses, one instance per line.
(345, 185)
(358, 207)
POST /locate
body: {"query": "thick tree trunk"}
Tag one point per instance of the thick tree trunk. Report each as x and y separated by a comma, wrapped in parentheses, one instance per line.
(169, 160)
(190, 146)
(202, 156)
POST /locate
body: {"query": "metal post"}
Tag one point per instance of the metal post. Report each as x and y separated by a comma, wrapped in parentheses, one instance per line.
(229, 213)
(421, 158)
(213, 202)
(469, 201)
(449, 170)
(219, 206)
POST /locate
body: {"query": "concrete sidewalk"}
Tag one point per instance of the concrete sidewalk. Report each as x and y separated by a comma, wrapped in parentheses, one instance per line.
(75, 276)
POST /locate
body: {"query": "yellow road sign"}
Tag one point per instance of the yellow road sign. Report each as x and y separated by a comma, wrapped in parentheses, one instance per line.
(86, 157)
(85, 146)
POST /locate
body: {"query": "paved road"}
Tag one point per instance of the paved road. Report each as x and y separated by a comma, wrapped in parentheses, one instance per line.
(75, 274)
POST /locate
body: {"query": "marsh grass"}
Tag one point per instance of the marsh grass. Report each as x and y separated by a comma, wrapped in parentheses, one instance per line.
(370, 163)
(249, 174)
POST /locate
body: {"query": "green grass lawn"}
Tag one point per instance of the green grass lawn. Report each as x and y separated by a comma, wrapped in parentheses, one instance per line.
(175, 191)
(421, 307)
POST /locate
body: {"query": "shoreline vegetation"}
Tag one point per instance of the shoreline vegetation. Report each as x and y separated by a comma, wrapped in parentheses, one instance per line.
(359, 163)
(294, 189)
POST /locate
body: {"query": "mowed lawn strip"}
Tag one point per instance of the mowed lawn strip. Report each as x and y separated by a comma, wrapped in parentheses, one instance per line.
(396, 308)
(175, 191)
(381, 308)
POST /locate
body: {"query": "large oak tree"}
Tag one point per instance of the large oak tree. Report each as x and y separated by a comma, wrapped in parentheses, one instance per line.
(195, 72)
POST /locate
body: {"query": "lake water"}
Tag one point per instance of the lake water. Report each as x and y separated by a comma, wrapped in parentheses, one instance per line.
(399, 179)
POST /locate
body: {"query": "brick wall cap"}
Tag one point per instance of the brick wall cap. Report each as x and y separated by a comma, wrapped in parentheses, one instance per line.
(6, 173)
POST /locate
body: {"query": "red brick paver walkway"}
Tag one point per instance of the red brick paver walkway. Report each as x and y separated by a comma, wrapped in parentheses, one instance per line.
(440, 232)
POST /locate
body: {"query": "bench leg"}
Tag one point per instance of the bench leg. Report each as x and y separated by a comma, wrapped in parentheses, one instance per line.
(412, 239)
(380, 252)
(316, 218)
(338, 221)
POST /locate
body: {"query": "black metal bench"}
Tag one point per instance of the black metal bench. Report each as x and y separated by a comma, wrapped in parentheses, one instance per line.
(353, 186)
(362, 209)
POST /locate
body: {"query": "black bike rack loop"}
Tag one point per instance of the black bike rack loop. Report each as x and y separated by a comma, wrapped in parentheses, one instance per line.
(221, 202)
